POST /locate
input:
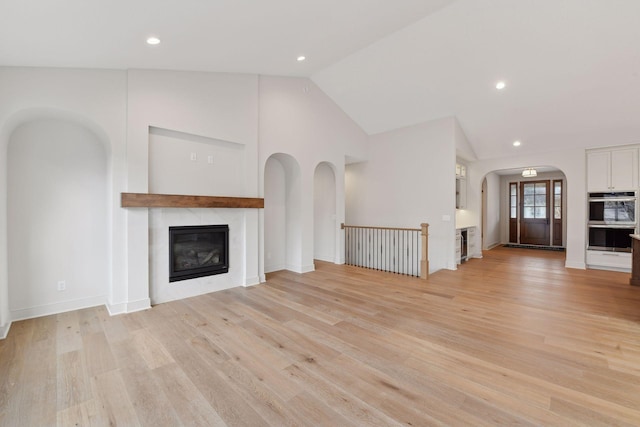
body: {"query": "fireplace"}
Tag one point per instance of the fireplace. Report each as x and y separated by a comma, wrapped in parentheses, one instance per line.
(198, 251)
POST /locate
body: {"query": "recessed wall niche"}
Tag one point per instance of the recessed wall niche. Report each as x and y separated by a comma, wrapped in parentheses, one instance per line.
(183, 163)
(57, 218)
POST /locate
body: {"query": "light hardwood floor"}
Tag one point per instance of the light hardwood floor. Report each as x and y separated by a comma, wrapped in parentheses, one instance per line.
(511, 339)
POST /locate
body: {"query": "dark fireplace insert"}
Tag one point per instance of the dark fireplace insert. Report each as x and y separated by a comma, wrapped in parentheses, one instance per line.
(198, 251)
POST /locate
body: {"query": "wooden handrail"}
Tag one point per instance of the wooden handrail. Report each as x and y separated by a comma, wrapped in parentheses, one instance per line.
(343, 226)
(424, 261)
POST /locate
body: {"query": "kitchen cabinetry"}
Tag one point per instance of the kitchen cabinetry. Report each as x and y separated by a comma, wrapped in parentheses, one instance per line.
(617, 261)
(465, 244)
(612, 169)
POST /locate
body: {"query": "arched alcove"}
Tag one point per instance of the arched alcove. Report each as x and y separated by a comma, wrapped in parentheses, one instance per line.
(58, 230)
(282, 214)
(324, 213)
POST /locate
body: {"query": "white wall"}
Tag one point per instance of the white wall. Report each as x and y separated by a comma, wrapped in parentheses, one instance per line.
(205, 113)
(298, 119)
(120, 107)
(409, 179)
(493, 218)
(57, 218)
(464, 150)
(94, 99)
(572, 164)
(324, 214)
(275, 220)
(182, 163)
(186, 111)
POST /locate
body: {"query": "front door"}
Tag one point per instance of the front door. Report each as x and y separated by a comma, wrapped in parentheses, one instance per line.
(534, 213)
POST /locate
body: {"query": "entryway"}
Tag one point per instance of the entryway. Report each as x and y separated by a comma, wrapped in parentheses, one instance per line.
(536, 212)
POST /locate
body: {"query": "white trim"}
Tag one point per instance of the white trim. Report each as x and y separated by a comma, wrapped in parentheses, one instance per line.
(308, 268)
(272, 268)
(263, 278)
(326, 258)
(128, 307)
(4, 330)
(56, 308)
(251, 281)
(143, 304)
(301, 269)
(578, 265)
(115, 309)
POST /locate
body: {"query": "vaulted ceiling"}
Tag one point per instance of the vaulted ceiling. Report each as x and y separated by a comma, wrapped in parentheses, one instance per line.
(571, 67)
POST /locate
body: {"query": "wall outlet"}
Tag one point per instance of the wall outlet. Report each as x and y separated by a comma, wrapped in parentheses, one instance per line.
(210, 160)
(194, 157)
(62, 285)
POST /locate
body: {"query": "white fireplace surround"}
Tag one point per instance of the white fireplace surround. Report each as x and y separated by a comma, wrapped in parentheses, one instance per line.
(160, 289)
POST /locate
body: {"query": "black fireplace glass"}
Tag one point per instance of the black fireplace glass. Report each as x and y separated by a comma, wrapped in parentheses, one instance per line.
(198, 251)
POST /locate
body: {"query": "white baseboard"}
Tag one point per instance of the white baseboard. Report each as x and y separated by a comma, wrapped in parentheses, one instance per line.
(56, 308)
(274, 267)
(308, 268)
(573, 264)
(326, 258)
(251, 281)
(301, 268)
(115, 309)
(4, 330)
(493, 245)
(143, 304)
(263, 278)
(128, 307)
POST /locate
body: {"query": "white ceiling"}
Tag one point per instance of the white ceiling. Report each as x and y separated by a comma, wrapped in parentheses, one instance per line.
(572, 67)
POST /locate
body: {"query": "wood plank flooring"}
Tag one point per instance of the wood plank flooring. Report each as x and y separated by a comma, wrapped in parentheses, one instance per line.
(510, 339)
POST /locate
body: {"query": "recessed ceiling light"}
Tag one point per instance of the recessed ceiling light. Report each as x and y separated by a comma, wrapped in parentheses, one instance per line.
(501, 85)
(301, 58)
(153, 41)
(516, 143)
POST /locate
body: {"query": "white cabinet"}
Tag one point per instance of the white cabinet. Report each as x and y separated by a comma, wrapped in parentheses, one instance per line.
(471, 242)
(461, 193)
(612, 170)
(609, 260)
(465, 244)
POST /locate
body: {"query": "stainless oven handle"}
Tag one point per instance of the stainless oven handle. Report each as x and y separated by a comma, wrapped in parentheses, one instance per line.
(616, 226)
(613, 199)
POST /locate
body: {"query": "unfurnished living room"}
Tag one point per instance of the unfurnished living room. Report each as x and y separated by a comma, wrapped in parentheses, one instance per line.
(336, 213)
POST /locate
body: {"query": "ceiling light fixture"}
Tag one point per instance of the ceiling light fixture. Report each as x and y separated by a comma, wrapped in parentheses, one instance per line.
(301, 58)
(153, 41)
(516, 143)
(501, 85)
(529, 173)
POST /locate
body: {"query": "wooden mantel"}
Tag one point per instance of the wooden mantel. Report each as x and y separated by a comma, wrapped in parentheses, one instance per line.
(146, 200)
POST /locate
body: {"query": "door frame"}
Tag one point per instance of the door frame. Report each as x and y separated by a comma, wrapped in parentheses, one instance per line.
(546, 222)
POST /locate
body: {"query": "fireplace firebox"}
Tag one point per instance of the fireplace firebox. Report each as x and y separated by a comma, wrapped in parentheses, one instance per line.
(198, 251)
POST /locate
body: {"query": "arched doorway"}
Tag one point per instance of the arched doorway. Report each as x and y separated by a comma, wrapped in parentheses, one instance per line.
(324, 213)
(511, 202)
(282, 214)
